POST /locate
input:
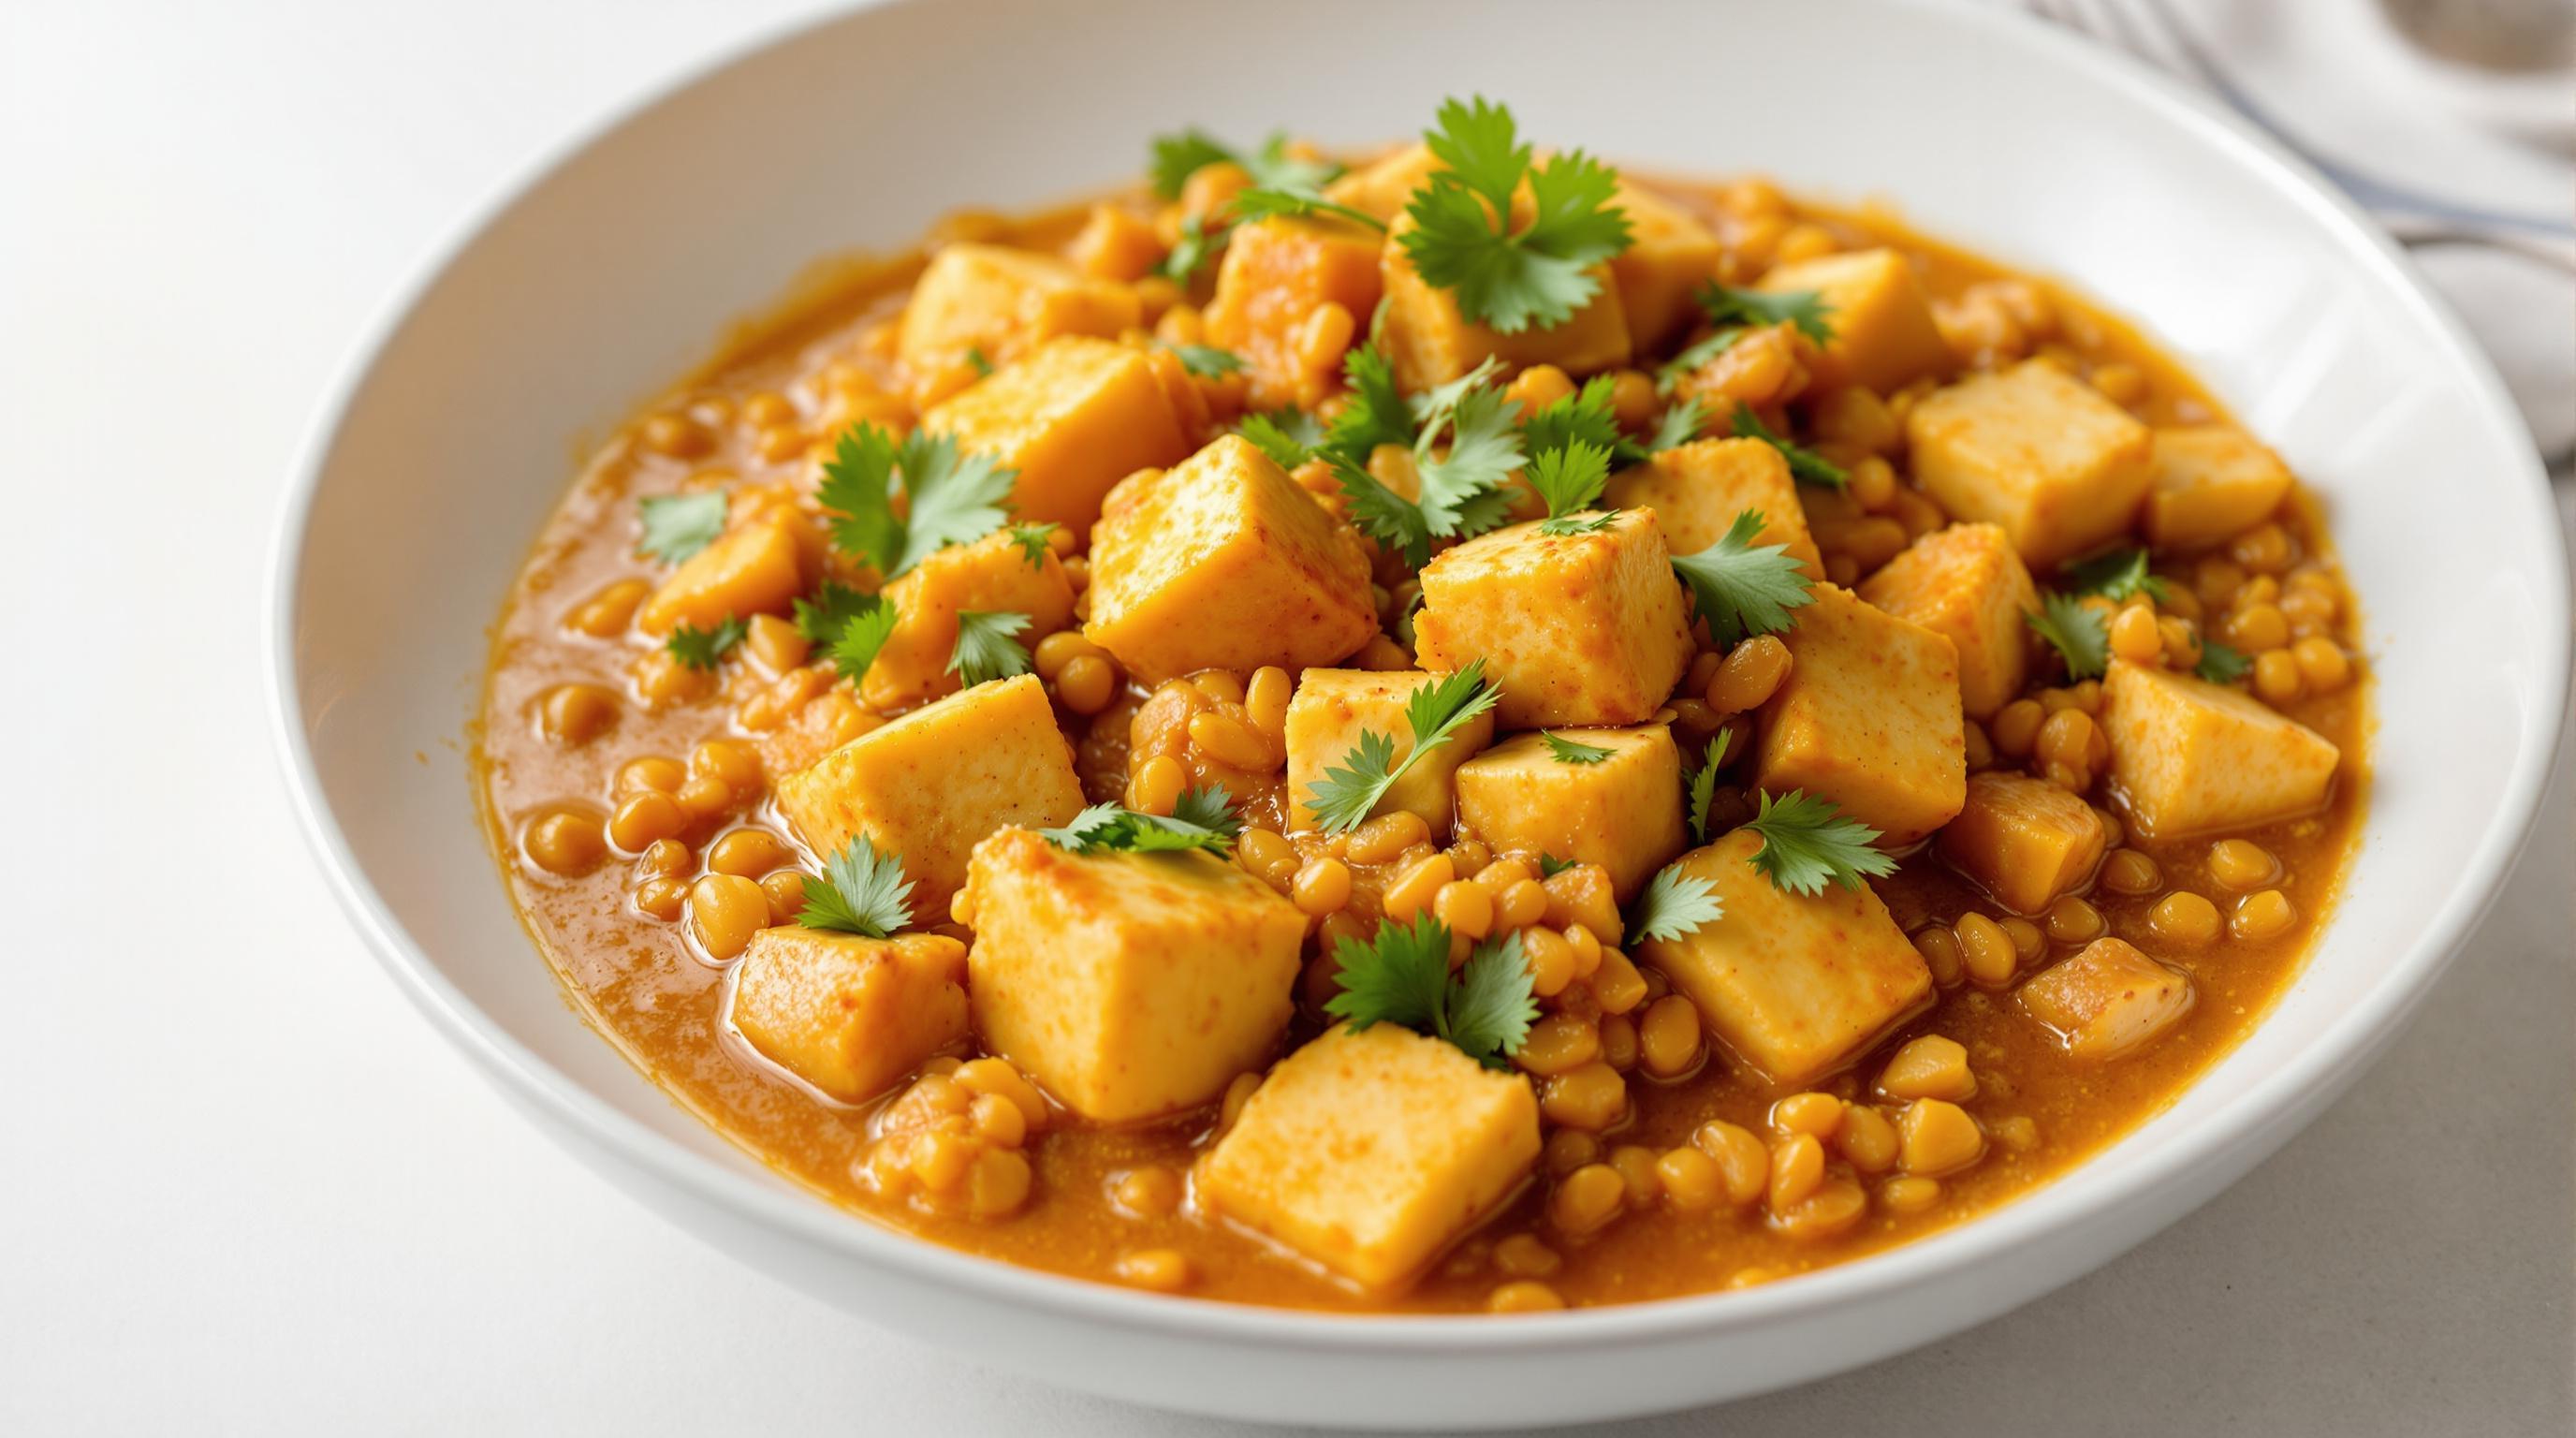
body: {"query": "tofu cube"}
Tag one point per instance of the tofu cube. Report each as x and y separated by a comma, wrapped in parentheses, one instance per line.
(2036, 450)
(1003, 301)
(1276, 274)
(1670, 253)
(992, 575)
(2189, 757)
(1074, 418)
(1332, 708)
(2108, 1000)
(1884, 337)
(1967, 585)
(1225, 563)
(2023, 840)
(850, 1015)
(1429, 342)
(2210, 483)
(1583, 629)
(931, 784)
(1696, 490)
(1130, 986)
(1868, 718)
(1372, 1151)
(754, 568)
(1797, 987)
(1623, 813)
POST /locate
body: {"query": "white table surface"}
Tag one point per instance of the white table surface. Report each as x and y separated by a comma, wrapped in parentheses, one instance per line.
(246, 1189)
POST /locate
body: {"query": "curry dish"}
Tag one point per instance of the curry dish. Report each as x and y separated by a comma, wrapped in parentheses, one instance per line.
(1453, 732)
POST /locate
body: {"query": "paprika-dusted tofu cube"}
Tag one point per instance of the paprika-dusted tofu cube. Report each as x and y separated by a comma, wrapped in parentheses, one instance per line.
(1623, 812)
(993, 575)
(1429, 342)
(848, 1014)
(2036, 450)
(1796, 986)
(2023, 840)
(1669, 255)
(1696, 490)
(1884, 337)
(1129, 986)
(1001, 301)
(1868, 718)
(931, 784)
(1371, 1151)
(750, 569)
(1966, 584)
(2189, 756)
(1332, 708)
(1074, 418)
(1583, 629)
(1382, 187)
(1225, 563)
(2210, 483)
(2107, 1000)
(1277, 274)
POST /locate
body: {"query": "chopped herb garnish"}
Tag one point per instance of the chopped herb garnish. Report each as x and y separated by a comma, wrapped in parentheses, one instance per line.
(1289, 436)
(701, 648)
(834, 604)
(1588, 414)
(1807, 843)
(1805, 465)
(1696, 355)
(1680, 425)
(1462, 238)
(1032, 542)
(950, 498)
(1177, 157)
(1207, 361)
(1549, 866)
(1570, 478)
(1461, 487)
(2115, 574)
(1435, 710)
(862, 891)
(679, 525)
(1198, 240)
(856, 646)
(2081, 637)
(1266, 201)
(2220, 664)
(978, 361)
(1202, 819)
(1401, 976)
(1570, 751)
(1741, 588)
(1806, 310)
(1703, 785)
(985, 649)
(1673, 905)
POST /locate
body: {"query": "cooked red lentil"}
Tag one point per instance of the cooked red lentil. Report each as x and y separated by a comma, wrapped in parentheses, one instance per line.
(1745, 735)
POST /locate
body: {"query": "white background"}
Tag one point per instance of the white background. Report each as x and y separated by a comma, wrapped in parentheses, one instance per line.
(243, 1188)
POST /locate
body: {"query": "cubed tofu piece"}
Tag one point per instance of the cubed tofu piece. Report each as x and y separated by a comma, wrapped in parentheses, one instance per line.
(1966, 584)
(2023, 840)
(1277, 274)
(1429, 342)
(1868, 718)
(1623, 812)
(1796, 986)
(1669, 255)
(850, 1015)
(1884, 337)
(1332, 708)
(993, 575)
(2107, 1000)
(1000, 302)
(1130, 986)
(933, 783)
(1074, 418)
(1696, 490)
(2036, 450)
(2189, 757)
(754, 568)
(1372, 1151)
(1225, 563)
(1581, 629)
(1382, 187)
(2210, 483)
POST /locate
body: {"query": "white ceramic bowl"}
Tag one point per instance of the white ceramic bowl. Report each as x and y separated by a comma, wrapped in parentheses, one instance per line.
(590, 286)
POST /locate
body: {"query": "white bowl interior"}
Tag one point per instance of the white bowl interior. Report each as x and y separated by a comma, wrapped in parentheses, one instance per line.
(620, 267)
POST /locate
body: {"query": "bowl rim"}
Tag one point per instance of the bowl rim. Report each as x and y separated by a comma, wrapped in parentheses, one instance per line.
(2051, 1209)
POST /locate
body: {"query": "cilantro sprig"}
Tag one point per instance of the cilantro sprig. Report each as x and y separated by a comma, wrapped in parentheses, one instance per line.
(1698, 353)
(1703, 785)
(1804, 310)
(1572, 751)
(1742, 588)
(1463, 240)
(950, 498)
(1177, 157)
(1202, 819)
(1206, 361)
(1808, 843)
(1031, 540)
(1570, 479)
(1434, 712)
(701, 648)
(862, 891)
(1198, 240)
(1289, 436)
(1267, 201)
(1461, 484)
(2220, 664)
(2081, 637)
(985, 648)
(679, 525)
(1674, 905)
(1401, 976)
(1805, 465)
(848, 626)
(1680, 425)
(2115, 574)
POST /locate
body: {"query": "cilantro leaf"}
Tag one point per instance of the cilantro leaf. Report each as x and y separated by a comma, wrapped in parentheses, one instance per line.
(1491, 1003)
(834, 605)
(1401, 976)
(1290, 437)
(2115, 574)
(1587, 414)
(1462, 238)
(1673, 905)
(1032, 542)
(865, 633)
(1570, 751)
(1206, 361)
(701, 648)
(949, 498)
(862, 891)
(1808, 842)
(978, 361)
(1703, 785)
(2081, 637)
(2220, 664)
(1700, 353)
(1177, 157)
(679, 525)
(1805, 465)
(1379, 512)
(1806, 310)
(1202, 819)
(1741, 588)
(1570, 478)
(1198, 240)
(1549, 866)
(985, 649)
(1462, 490)
(1435, 710)
(1266, 201)
(1376, 412)
(1680, 425)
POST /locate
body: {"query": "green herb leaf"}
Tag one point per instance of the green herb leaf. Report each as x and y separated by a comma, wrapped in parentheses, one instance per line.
(1290, 437)
(1805, 465)
(1462, 238)
(856, 646)
(1491, 1003)
(1675, 369)
(833, 606)
(862, 891)
(951, 499)
(1806, 310)
(1198, 240)
(1376, 412)
(1206, 361)
(1680, 425)
(1569, 751)
(1741, 588)
(1401, 976)
(2081, 637)
(701, 648)
(1703, 785)
(2220, 664)
(985, 649)
(1674, 905)
(1549, 866)
(978, 361)
(1266, 202)
(1435, 710)
(1462, 490)
(1588, 415)
(1807, 843)
(1202, 819)
(679, 525)
(1570, 478)
(2115, 574)
(1032, 542)
(1177, 157)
